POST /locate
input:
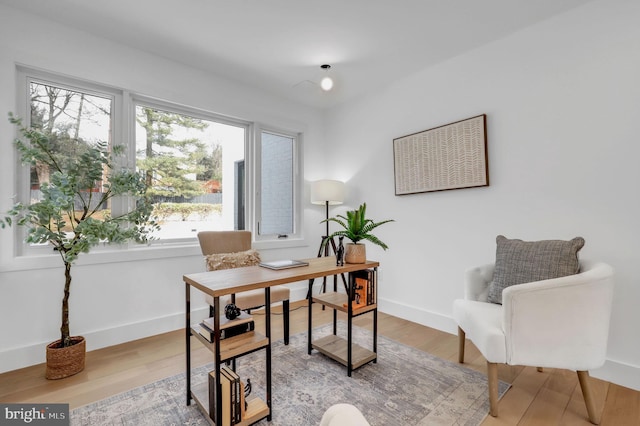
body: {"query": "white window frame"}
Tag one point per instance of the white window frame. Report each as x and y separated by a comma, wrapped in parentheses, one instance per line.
(141, 100)
(25, 77)
(264, 241)
(26, 256)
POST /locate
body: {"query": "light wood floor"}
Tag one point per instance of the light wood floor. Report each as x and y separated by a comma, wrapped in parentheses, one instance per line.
(552, 397)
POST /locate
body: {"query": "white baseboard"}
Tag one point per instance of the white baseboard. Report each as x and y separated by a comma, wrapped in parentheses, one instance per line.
(617, 372)
(620, 373)
(26, 356)
(421, 316)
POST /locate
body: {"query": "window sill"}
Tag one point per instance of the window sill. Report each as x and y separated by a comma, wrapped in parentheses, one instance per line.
(112, 254)
(102, 256)
(279, 244)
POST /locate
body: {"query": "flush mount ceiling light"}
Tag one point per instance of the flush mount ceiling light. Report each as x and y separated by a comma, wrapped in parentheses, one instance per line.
(327, 82)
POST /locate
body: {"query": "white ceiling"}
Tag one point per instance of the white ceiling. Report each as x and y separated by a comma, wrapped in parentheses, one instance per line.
(279, 45)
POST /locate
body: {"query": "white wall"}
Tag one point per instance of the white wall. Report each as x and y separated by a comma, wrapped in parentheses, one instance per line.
(562, 100)
(117, 298)
(563, 110)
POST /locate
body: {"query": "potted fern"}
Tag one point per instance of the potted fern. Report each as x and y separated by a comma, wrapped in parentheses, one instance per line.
(356, 227)
(70, 216)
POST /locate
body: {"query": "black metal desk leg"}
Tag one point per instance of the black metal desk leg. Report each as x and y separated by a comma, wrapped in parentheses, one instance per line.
(217, 415)
(375, 320)
(375, 335)
(267, 301)
(187, 330)
(349, 322)
(309, 316)
(335, 312)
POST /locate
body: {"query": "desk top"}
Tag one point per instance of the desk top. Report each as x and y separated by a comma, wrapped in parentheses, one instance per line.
(229, 281)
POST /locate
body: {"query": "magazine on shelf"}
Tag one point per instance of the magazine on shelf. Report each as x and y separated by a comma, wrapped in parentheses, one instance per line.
(284, 264)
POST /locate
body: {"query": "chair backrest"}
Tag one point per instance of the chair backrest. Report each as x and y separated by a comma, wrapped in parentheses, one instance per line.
(214, 242)
(562, 322)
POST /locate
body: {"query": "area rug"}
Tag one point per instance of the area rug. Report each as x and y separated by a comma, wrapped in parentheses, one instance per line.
(405, 387)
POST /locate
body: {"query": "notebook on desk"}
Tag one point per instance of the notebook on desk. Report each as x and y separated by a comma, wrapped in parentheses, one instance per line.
(283, 264)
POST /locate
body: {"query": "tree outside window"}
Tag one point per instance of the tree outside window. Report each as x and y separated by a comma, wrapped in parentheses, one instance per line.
(73, 120)
(185, 159)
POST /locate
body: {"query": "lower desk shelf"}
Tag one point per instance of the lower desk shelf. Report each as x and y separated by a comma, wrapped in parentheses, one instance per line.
(336, 347)
(231, 348)
(257, 409)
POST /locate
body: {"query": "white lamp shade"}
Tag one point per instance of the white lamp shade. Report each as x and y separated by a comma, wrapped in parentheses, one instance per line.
(327, 190)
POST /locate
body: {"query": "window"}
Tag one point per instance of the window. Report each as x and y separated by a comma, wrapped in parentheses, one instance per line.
(73, 120)
(74, 116)
(278, 188)
(204, 171)
(190, 166)
(276, 184)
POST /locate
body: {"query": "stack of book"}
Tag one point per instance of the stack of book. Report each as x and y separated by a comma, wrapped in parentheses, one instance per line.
(232, 396)
(228, 328)
(364, 285)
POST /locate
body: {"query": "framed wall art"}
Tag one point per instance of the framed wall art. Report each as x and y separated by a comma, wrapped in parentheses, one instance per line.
(453, 156)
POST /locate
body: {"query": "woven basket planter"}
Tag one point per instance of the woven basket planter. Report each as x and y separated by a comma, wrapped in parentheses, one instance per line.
(65, 362)
(355, 253)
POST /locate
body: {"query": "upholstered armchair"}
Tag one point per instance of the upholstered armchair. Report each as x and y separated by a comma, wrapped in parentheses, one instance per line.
(556, 323)
(232, 249)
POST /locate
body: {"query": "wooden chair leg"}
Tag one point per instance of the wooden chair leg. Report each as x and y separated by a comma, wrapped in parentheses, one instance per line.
(583, 377)
(285, 318)
(461, 339)
(492, 374)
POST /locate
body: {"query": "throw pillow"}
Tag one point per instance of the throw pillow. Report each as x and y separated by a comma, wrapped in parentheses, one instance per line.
(218, 261)
(520, 262)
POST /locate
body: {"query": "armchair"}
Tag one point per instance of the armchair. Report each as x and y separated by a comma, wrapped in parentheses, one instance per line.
(556, 323)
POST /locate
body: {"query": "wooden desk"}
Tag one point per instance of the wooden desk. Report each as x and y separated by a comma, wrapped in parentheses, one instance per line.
(230, 281)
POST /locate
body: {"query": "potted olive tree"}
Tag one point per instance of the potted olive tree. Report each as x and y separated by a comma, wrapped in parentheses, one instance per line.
(72, 215)
(356, 228)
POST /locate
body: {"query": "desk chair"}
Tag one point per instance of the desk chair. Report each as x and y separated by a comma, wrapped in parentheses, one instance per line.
(237, 245)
